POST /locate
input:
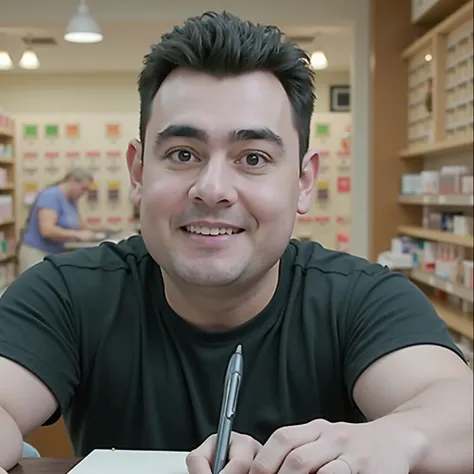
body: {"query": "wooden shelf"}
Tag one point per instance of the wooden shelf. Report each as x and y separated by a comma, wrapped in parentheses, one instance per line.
(7, 256)
(443, 285)
(6, 132)
(7, 222)
(437, 12)
(458, 200)
(7, 187)
(7, 161)
(435, 149)
(458, 321)
(437, 236)
(446, 25)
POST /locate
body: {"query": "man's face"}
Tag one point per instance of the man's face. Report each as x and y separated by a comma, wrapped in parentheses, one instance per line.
(220, 184)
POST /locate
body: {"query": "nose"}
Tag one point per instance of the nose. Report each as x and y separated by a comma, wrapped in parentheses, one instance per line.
(215, 184)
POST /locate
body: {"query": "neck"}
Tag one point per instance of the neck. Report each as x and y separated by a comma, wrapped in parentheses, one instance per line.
(217, 309)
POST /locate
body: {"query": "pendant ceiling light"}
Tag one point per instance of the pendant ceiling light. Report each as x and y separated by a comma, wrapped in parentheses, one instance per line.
(29, 60)
(82, 28)
(319, 60)
(5, 61)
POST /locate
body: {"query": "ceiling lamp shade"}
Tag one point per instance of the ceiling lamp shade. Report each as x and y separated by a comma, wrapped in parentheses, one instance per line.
(319, 60)
(82, 28)
(5, 61)
(29, 60)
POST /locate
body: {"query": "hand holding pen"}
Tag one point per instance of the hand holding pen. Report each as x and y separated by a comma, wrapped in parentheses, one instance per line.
(220, 452)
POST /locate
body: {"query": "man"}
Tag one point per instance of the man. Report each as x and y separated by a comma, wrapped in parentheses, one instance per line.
(348, 369)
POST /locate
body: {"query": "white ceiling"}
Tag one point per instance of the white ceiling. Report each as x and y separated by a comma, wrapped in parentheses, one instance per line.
(130, 27)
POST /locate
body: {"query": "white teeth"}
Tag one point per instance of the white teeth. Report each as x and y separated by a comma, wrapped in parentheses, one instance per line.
(193, 229)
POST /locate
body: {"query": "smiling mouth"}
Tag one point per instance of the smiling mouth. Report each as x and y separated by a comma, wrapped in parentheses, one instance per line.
(211, 231)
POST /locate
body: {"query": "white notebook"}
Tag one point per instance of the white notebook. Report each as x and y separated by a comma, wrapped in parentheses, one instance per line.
(105, 461)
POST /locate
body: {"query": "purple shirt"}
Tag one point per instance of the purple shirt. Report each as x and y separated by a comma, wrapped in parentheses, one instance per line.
(68, 218)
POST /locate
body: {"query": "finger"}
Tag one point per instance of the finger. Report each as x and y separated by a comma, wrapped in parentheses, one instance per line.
(199, 460)
(281, 443)
(338, 466)
(242, 452)
(311, 457)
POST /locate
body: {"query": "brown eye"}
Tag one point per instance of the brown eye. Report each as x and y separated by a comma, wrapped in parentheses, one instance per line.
(253, 159)
(183, 155)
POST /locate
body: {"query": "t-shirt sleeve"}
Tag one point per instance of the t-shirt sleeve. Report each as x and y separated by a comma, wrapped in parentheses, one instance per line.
(387, 313)
(38, 330)
(48, 199)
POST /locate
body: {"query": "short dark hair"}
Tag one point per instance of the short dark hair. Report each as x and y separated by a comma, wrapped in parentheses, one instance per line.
(221, 44)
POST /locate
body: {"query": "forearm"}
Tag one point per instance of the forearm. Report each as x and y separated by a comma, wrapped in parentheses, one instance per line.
(443, 414)
(11, 441)
(59, 234)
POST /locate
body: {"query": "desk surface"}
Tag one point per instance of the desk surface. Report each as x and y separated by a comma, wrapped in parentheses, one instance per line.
(44, 466)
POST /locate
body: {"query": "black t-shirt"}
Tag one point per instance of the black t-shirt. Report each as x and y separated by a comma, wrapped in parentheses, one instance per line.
(94, 325)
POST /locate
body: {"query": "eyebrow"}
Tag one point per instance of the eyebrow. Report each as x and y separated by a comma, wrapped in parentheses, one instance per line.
(241, 135)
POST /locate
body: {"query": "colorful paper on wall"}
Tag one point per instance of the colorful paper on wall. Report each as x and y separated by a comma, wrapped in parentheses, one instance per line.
(112, 130)
(72, 131)
(30, 132)
(322, 130)
(343, 184)
(51, 131)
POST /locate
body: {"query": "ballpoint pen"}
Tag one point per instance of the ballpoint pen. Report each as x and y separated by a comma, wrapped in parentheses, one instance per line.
(230, 396)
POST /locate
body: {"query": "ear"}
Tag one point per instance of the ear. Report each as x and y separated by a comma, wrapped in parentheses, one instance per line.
(309, 173)
(135, 169)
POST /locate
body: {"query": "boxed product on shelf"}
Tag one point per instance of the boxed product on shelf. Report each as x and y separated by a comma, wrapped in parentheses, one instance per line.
(450, 179)
(463, 225)
(467, 274)
(3, 177)
(467, 185)
(411, 184)
(420, 122)
(459, 85)
(6, 150)
(6, 207)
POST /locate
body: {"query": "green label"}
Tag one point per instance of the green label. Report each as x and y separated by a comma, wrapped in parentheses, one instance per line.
(30, 131)
(322, 130)
(51, 131)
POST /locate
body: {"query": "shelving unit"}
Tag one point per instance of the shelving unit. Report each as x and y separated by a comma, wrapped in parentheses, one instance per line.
(439, 136)
(8, 230)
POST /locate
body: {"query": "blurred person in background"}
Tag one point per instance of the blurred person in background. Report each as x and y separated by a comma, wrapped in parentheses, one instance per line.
(54, 219)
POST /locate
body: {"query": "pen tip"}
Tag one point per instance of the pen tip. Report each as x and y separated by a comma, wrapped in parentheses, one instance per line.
(239, 349)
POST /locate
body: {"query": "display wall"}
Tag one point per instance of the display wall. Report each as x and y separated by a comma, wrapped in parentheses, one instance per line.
(69, 121)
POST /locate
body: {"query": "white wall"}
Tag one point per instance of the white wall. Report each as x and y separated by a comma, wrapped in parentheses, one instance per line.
(22, 94)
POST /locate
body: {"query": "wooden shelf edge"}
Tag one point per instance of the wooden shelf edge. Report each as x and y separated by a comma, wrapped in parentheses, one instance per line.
(455, 320)
(438, 12)
(466, 241)
(454, 200)
(443, 27)
(437, 148)
(430, 279)
(6, 132)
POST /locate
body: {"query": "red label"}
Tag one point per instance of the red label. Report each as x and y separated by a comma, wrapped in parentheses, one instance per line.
(92, 154)
(304, 219)
(51, 154)
(322, 219)
(113, 154)
(30, 155)
(323, 153)
(94, 220)
(344, 184)
(72, 154)
(114, 219)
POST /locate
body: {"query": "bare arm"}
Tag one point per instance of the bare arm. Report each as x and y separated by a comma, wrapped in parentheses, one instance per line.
(25, 404)
(427, 390)
(50, 230)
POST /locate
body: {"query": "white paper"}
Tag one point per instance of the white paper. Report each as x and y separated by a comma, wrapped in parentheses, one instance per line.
(102, 461)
